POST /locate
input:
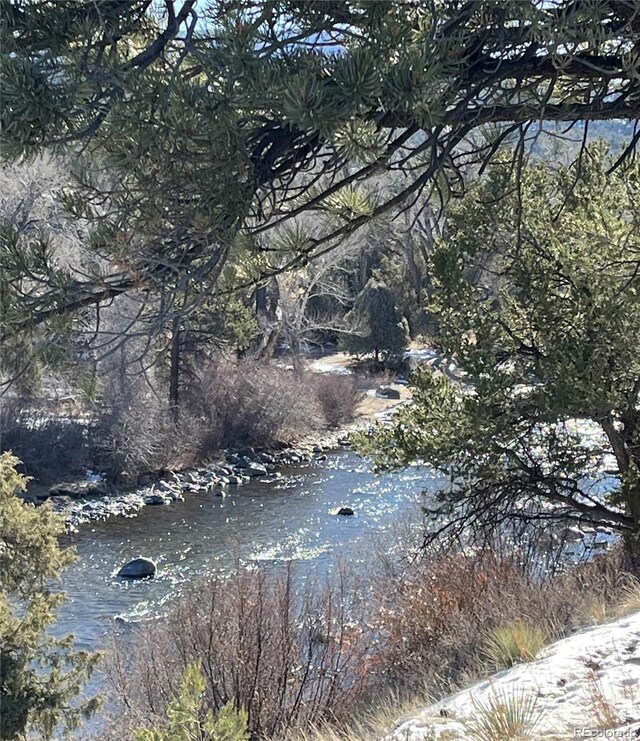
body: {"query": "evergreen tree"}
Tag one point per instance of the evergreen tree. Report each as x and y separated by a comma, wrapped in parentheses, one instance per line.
(186, 720)
(380, 328)
(40, 676)
(542, 313)
(222, 117)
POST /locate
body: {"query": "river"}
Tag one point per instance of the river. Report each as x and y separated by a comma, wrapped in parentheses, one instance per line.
(259, 524)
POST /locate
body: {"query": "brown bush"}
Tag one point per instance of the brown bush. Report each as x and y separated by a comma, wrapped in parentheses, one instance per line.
(338, 397)
(226, 404)
(436, 613)
(252, 403)
(132, 430)
(49, 442)
(129, 432)
(286, 652)
(140, 434)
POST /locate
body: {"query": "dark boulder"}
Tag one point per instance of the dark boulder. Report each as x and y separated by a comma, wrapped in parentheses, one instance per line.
(345, 511)
(157, 499)
(255, 469)
(139, 568)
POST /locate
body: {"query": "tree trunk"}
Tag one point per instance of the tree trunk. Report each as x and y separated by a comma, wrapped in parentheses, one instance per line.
(266, 305)
(294, 349)
(174, 370)
(261, 302)
(628, 466)
(632, 540)
(414, 272)
(632, 551)
(268, 344)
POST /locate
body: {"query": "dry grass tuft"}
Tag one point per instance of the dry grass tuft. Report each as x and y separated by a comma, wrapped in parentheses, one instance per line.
(505, 717)
(371, 724)
(629, 599)
(605, 714)
(596, 611)
(515, 642)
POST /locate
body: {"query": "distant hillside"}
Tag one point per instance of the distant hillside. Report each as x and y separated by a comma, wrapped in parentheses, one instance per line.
(617, 133)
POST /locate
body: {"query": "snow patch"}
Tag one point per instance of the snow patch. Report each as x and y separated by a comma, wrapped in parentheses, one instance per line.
(580, 684)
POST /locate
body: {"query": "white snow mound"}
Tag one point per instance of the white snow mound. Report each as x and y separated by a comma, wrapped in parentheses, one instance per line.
(584, 686)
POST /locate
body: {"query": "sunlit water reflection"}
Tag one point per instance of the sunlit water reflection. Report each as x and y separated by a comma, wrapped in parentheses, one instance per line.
(257, 525)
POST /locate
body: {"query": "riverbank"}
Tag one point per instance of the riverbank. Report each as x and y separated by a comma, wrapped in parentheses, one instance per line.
(261, 525)
(81, 502)
(437, 617)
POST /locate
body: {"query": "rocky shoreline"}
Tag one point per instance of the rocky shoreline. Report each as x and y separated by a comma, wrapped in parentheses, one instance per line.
(92, 499)
(85, 501)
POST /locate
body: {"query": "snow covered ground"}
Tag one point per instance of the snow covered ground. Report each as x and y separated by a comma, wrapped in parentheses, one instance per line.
(584, 686)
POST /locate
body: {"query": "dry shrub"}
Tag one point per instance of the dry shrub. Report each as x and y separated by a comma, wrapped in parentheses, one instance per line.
(129, 432)
(227, 404)
(297, 656)
(132, 430)
(338, 397)
(284, 651)
(140, 434)
(253, 403)
(437, 613)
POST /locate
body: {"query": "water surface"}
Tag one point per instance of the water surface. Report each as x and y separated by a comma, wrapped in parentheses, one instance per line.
(259, 524)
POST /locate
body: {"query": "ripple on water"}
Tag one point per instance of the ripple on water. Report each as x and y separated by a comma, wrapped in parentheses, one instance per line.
(290, 553)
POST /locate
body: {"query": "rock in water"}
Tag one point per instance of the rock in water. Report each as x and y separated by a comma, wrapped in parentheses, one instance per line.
(346, 511)
(139, 568)
(157, 499)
